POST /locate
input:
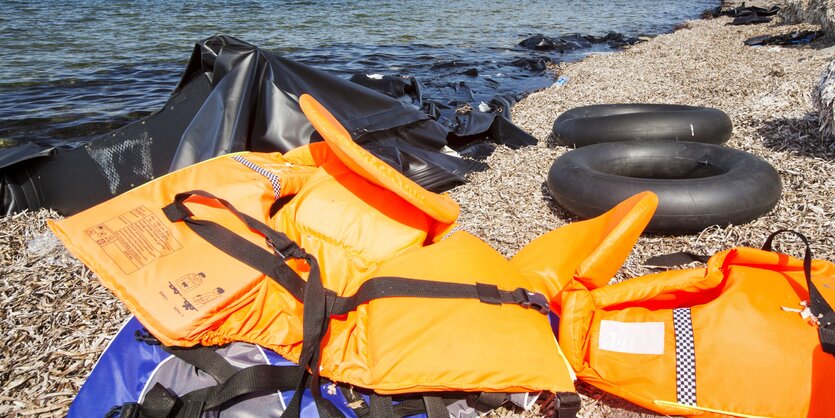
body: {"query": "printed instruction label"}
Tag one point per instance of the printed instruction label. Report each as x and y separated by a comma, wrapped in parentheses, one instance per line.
(134, 239)
(632, 337)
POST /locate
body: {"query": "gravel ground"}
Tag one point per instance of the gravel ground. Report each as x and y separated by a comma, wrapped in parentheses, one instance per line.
(56, 318)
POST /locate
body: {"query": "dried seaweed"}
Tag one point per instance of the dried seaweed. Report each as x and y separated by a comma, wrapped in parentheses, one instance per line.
(55, 318)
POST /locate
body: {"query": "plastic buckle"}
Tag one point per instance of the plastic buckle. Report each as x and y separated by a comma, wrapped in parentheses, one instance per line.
(289, 250)
(533, 300)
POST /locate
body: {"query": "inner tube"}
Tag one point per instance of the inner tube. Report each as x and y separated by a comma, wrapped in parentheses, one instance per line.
(589, 125)
(697, 184)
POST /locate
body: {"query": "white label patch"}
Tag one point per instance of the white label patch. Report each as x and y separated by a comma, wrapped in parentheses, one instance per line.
(632, 337)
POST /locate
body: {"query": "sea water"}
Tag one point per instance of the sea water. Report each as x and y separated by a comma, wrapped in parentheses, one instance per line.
(72, 70)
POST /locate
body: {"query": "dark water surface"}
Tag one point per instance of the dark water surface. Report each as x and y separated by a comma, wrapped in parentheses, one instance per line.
(71, 70)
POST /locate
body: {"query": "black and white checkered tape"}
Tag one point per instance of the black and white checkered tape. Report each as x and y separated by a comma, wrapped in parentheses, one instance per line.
(272, 177)
(685, 357)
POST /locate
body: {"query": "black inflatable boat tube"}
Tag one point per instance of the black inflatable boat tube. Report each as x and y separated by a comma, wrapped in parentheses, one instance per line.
(698, 185)
(594, 124)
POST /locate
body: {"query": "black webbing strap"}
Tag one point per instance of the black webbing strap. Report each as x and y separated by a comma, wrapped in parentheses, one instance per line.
(381, 406)
(435, 407)
(205, 359)
(486, 401)
(316, 318)
(272, 265)
(355, 401)
(387, 287)
(403, 408)
(675, 259)
(818, 305)
(409, 407)
(279, 203)
(566, 405)
(159, 402)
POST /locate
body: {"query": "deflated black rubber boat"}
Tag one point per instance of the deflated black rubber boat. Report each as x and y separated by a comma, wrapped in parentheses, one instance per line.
(233, 97)
(588, 125)
(698, 185)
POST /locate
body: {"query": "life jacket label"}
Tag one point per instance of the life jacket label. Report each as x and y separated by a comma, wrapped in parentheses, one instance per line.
(134, 239)
(632, 337)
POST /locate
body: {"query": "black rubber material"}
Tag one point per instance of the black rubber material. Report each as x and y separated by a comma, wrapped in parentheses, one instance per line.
(588, 125)
(697, 184)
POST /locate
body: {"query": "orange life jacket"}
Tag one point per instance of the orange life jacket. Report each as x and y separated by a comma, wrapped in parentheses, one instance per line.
(731, 338)
(329, 257)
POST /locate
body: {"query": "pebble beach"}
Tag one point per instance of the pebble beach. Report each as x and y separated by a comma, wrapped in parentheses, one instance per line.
(56, 318)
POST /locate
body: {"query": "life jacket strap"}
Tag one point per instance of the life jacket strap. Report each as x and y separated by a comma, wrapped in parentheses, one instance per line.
(388, 287)
(205, 359)
(159, 402)
(270, 264)
(381, 407)
(820, 307)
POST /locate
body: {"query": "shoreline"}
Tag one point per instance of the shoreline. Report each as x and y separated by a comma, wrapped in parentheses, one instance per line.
(57, 318)
(765, 90)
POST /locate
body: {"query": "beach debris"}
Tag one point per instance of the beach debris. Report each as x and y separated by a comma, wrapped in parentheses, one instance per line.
(793, 38)
(562, 80)
(750, 15)
(576, 41)
(743, 10)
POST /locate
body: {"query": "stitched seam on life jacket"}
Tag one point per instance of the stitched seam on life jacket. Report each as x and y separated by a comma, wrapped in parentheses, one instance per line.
(685, 357)
(451, 231)
(274, 180)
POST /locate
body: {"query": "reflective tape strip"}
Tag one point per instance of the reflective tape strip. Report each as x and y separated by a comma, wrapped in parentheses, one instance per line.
(272, 177)
(685, 357)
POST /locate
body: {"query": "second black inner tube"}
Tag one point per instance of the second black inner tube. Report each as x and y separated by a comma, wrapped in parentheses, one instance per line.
(594, 124)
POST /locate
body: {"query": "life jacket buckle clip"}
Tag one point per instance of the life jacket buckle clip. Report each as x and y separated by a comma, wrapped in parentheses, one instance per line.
(532, 300)
(287, 249)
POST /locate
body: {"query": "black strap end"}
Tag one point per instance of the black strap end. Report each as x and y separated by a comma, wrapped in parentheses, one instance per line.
(159, 402)
(176, 211)
(566, 405)
(488, 293)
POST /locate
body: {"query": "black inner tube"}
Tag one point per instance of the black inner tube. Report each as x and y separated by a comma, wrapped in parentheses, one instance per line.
(657, 167)
(698, 185)
(587, 125)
